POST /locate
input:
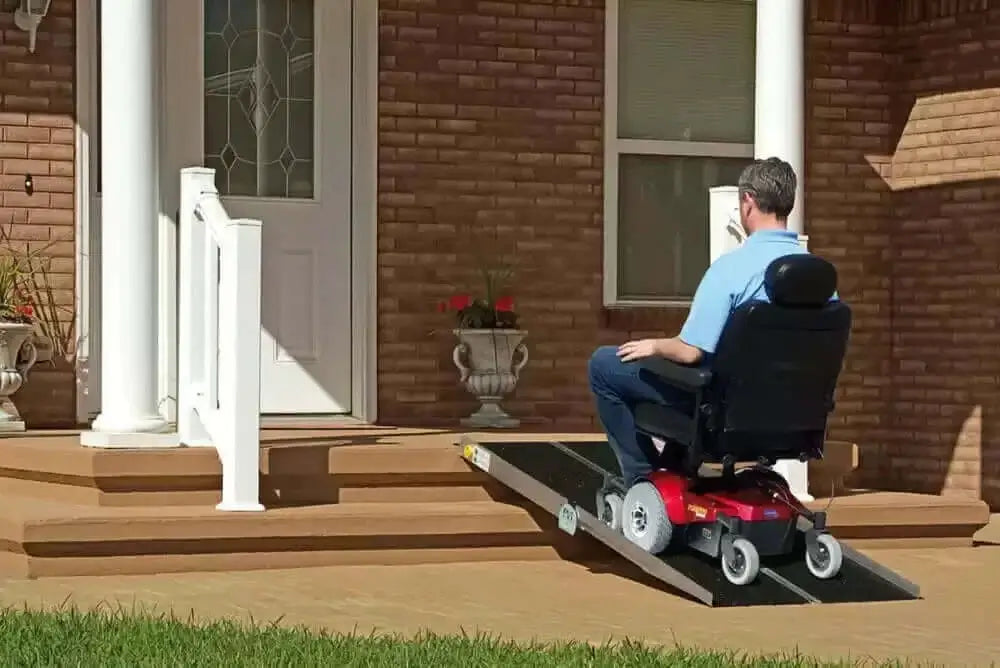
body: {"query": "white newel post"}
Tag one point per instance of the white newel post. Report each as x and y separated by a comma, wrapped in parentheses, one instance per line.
(129, 415)
(191, 353)
(725, 232)
(239, 366)
(779, 129)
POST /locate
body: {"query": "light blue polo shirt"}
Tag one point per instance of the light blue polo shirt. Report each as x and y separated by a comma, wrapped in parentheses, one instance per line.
(734, 278)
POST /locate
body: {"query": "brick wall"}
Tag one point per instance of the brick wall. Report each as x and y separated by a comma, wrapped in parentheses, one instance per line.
(490, 117)
(945, 174)
(490, 120)
(848, 207)
(37, 138)
(902, 193)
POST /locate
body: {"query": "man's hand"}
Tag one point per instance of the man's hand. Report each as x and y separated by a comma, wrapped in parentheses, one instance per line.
(637, 350)
(672, 349)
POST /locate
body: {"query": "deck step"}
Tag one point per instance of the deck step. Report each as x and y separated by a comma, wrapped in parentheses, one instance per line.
(292, 474)
(874, 520)
(323, 492)
(334, 499)
(53, 539)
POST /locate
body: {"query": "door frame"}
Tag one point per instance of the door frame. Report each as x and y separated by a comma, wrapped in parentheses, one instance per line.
(364, 140)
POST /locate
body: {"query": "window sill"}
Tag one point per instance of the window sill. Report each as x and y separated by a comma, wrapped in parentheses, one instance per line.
(628, 304)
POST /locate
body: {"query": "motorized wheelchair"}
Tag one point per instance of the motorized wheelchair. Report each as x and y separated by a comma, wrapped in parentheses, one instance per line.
(764, 396)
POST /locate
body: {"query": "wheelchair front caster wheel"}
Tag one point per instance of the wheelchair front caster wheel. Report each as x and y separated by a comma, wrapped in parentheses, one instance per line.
(611, 511)
(744, 566)
(828, 559)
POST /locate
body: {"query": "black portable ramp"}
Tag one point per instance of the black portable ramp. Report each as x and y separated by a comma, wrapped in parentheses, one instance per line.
(564, 479)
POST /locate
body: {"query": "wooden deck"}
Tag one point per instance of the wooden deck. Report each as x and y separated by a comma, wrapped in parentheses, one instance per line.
(335, 495)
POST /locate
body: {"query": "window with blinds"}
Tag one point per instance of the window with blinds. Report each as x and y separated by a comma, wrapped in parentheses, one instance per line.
(683, 122)
(686, 70)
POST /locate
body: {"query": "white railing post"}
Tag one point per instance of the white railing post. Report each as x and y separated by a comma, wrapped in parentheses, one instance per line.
(208, 387)
(219, 339)
(191, 295)
(239, 365)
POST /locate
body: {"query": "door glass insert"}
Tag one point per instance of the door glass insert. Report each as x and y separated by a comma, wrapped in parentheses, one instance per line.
(259, 96)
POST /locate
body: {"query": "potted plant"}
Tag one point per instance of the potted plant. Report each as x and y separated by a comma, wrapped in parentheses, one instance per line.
(488, 341)
(17, 349)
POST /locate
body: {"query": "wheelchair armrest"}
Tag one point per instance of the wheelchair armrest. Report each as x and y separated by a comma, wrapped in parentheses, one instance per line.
(687, 377)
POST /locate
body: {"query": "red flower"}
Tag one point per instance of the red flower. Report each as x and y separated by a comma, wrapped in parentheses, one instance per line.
(459, 302)
(26, 310)
(505, 304)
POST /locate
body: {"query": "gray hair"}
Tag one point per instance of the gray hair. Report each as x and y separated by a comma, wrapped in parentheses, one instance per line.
(771, 184)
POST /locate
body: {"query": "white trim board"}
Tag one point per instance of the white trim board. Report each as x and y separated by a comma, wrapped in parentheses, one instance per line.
(87, 105)
(364, 212)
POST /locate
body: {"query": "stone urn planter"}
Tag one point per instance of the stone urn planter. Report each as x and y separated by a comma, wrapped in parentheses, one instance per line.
(17, 355)
(485, 361)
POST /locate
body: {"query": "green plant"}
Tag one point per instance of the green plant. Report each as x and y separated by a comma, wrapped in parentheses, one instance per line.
(492, 310)
(13, 268)
(488, 313)
(26, 294)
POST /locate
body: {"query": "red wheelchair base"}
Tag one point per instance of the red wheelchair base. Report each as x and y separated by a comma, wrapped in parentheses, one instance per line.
(740, 518)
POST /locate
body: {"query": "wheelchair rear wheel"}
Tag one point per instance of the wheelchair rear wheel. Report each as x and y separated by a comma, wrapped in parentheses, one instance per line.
(644, 518)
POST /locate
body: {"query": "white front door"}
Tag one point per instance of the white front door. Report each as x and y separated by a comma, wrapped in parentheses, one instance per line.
(260, 91)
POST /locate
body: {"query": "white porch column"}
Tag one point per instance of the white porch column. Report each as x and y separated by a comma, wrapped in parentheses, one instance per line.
(129, 218)
(779, 130)
(779, 102)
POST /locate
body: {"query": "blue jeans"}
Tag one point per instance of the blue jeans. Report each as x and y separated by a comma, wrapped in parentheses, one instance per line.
(618, 387)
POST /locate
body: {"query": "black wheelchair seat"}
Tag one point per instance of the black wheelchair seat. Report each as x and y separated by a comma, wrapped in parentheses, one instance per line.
(769, 388)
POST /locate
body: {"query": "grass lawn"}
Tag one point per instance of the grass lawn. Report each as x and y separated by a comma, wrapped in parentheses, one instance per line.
(73, 638)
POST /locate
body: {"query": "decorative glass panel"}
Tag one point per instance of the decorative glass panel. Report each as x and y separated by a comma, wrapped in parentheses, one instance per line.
(259, 97)
(686, 70)
(663, 222)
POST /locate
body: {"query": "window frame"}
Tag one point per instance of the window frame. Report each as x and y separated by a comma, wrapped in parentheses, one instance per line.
(615, 147)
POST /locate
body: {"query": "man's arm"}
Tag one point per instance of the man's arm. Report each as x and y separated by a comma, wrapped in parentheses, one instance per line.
(673, 349)
(709, 312)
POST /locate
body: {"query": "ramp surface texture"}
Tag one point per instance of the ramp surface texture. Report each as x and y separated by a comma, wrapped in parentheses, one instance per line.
(553, 474)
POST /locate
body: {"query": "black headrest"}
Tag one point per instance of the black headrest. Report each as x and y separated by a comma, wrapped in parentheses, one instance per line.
(800, 280)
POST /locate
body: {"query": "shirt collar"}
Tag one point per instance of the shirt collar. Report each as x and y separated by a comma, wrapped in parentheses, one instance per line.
(773, 235)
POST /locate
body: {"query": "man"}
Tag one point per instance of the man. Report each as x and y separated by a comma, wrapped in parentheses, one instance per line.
(766, 197)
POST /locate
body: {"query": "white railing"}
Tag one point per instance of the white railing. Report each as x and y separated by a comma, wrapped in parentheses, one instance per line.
(218, 344)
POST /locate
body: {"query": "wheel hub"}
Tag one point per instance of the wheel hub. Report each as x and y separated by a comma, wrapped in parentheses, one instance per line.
(822, 556)
(608, 513)
(739, 563)
(640, 520)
